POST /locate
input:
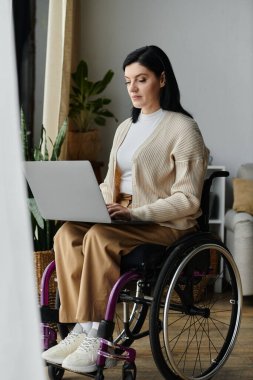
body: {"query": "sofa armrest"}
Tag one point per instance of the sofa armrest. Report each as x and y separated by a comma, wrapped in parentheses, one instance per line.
(232, 218)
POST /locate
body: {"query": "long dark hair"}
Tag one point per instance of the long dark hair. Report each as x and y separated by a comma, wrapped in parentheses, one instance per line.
(154, 58)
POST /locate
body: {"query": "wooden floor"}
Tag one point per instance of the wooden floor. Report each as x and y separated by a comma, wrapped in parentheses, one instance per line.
(238, 367)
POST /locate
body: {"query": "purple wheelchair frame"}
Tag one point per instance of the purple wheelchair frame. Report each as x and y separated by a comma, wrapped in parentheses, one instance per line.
(49, 335)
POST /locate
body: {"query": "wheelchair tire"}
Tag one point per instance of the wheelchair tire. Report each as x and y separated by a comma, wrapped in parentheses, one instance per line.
(195, 316)
(55, 373)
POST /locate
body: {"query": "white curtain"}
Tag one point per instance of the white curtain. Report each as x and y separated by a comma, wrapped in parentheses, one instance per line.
(62, 55)
(20, 345)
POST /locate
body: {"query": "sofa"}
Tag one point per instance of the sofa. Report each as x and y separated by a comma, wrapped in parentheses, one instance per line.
(239, 226)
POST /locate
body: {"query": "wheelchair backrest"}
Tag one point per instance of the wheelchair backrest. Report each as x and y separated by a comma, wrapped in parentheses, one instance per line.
(203, 220)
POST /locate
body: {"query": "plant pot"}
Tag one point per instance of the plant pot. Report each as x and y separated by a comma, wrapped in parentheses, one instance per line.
(83, 145)
(41, 261)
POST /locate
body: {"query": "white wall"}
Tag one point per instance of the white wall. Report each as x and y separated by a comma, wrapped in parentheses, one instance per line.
(210, 44)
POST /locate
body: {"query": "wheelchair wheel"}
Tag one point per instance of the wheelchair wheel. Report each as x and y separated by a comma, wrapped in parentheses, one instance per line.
(131, 312)
(195, 316)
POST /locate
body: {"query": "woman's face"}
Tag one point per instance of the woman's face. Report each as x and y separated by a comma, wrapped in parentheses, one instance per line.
(143, 87)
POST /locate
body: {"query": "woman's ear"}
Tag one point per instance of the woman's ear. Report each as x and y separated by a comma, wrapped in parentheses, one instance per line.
(162, 79)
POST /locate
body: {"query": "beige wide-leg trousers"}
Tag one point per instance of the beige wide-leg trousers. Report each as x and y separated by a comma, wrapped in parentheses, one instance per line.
(88, 263)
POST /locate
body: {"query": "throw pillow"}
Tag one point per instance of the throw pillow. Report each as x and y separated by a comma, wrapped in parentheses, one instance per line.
(243, 195)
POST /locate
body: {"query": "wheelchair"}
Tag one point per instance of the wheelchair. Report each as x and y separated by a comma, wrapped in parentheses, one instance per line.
(187, 297)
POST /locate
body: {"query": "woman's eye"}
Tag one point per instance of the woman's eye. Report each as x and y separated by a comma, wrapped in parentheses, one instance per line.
(141, 80)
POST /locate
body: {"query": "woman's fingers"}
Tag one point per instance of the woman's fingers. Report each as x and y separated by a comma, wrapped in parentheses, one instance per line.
(117, 211)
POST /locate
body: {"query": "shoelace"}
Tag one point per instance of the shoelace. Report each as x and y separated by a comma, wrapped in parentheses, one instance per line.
(88, 343)
(69, 338)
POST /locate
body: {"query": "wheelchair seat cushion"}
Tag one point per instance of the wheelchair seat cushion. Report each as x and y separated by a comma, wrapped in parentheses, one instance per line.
(144, 258)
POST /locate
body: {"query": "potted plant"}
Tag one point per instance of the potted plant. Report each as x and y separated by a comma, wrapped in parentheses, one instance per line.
(86, 111)
(43, 230)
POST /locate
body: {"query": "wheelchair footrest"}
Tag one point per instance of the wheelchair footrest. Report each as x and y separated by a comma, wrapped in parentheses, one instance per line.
(117, 352)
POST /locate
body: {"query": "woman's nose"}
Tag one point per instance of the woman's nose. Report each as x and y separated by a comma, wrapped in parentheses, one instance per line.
(133, 87)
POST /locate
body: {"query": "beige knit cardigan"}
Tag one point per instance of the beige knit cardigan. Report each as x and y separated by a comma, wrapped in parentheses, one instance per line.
(168, 171)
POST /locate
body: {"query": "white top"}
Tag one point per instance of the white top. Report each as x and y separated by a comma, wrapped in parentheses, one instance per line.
(136, 135)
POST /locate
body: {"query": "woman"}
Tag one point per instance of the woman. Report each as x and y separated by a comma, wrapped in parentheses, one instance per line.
(156, 172)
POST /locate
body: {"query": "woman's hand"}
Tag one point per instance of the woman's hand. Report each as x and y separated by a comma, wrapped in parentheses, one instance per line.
(118, 212)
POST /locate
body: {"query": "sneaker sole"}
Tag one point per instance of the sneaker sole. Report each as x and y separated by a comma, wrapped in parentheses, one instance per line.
(55, 361)
(87, 369)
(91, 368)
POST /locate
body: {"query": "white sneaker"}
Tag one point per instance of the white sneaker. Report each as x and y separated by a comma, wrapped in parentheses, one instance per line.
(84, 359)
(58, 353)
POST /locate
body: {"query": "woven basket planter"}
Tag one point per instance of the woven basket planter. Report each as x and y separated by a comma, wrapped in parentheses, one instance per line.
(41, 261)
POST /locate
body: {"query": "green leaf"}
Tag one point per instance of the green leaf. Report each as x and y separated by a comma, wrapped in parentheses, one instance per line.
(42, 131)
(100, 120)
(37, 155)
(81, 72)
(100, 86)
(106, 101)
(106, 113)
(32, 205)
(85, 88)
(59, 141)
(96, 104)
(76, 92)
(24, 136)
(46, 154)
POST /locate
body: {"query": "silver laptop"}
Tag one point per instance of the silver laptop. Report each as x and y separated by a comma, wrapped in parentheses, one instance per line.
(67, 191)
